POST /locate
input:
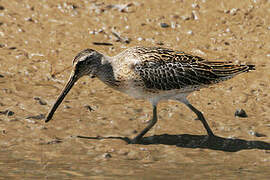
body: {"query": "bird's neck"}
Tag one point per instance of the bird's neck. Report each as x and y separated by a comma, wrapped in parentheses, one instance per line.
(105, 71)
(106, 60)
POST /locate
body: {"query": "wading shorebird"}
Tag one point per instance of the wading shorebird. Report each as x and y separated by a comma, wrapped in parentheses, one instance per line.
(152, 73)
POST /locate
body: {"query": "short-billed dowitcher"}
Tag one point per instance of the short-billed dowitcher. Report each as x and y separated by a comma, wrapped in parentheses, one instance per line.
(152, 73)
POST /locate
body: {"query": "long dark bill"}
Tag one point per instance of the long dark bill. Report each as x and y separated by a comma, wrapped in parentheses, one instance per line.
(60, 98)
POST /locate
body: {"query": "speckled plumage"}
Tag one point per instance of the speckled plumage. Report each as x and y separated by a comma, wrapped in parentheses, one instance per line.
(165, 69)
(152, 73)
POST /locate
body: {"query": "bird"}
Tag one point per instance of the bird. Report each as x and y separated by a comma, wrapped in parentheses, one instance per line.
(153, 74)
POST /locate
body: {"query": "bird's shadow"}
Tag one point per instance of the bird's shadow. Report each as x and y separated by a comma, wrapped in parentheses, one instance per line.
(196, 141)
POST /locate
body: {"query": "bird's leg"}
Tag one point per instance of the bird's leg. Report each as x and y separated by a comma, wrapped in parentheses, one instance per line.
(200, 117)
(153, 121)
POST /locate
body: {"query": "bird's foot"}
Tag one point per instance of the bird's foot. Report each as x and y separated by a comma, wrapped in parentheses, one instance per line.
(135, 140)
(210, 136)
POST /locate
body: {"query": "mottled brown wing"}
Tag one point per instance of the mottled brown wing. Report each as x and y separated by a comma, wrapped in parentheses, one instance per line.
(167, 71)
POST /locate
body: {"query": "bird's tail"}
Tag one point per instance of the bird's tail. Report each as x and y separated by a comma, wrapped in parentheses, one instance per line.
(251, 67)
(228, 69)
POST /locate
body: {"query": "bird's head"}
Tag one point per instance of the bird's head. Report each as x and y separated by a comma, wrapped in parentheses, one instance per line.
(86, 62)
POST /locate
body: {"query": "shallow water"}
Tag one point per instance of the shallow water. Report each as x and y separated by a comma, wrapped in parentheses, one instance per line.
(38, 40)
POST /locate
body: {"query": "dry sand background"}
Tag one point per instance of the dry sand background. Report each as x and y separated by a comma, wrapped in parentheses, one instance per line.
(38, 40)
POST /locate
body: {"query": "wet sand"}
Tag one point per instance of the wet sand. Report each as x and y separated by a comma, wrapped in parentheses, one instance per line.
(38, 40)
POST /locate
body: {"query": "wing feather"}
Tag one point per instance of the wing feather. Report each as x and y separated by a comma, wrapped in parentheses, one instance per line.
(165, 69)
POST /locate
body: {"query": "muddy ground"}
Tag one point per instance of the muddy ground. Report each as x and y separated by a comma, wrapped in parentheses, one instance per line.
(38, 40)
